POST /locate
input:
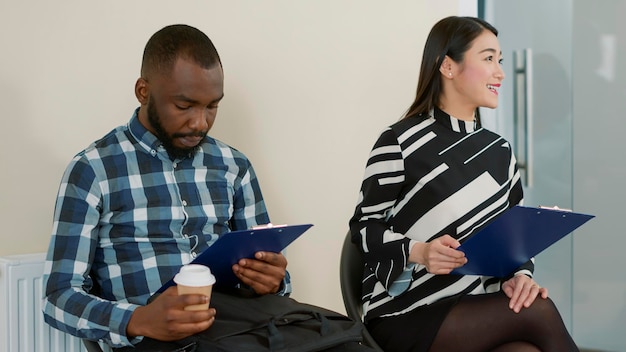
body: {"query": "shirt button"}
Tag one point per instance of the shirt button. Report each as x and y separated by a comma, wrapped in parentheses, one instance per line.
(153, 152)
(193, 254)
(184, 203)
(175, 165)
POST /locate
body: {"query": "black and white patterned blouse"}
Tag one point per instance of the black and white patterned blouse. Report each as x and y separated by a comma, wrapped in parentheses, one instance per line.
(428, 176)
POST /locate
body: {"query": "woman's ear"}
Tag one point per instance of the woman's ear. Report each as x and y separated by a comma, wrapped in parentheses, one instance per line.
(446, 67)
(142, 91)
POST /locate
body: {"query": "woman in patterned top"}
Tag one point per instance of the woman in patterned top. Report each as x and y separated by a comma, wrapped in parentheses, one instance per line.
(432, 180)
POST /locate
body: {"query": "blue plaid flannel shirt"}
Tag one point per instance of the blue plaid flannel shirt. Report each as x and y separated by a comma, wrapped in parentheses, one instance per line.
(127, 217)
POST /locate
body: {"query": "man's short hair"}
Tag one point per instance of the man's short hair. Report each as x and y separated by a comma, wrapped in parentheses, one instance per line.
(177, 41)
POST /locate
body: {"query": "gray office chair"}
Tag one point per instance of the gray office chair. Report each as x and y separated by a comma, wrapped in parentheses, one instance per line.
(350, 277)
(92, 346)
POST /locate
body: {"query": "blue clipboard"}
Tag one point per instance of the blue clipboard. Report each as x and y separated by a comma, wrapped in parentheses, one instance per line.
(235, 245)
(514, 237)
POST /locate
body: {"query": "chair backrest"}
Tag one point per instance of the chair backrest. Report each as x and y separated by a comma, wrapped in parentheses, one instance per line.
(351, 276)
(351, 266)
(92, 346)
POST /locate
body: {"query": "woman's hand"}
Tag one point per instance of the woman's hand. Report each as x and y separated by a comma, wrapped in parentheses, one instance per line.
(522, 291)
(439, 256)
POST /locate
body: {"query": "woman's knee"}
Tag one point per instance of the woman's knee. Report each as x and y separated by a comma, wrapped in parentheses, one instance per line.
(543, 313)
(517, 346)
(545, 307)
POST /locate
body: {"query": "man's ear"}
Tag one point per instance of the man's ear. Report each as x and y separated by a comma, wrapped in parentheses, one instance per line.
(142, 91)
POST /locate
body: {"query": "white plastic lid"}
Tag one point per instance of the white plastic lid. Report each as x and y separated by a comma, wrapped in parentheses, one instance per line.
(195, 275)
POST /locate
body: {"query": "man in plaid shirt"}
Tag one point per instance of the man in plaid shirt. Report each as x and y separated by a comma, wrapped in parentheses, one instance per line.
(145, 199)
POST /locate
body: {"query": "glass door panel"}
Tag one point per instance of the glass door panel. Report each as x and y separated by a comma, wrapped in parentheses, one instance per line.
(535, 115)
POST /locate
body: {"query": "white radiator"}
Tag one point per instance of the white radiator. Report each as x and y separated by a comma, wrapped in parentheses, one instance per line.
(22, 328)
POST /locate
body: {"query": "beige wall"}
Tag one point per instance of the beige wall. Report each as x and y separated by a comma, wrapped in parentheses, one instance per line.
(309, 85)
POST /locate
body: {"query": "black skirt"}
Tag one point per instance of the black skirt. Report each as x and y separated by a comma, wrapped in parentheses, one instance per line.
(413, 331)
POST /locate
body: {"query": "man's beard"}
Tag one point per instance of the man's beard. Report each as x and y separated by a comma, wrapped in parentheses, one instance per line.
(168, 140)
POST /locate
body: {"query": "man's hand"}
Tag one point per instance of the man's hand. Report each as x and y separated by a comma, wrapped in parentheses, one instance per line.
(264, 274)
(522, 290)
(166, 319)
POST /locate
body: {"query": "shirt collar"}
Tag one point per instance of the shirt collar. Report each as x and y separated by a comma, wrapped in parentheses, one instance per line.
(454, 124)
(145, 138)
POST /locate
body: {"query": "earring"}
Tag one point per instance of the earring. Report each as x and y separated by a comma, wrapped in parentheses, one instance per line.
(450, 74)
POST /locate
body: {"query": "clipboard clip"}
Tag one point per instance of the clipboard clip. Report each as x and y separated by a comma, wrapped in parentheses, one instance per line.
(269, 225)
(555, 208)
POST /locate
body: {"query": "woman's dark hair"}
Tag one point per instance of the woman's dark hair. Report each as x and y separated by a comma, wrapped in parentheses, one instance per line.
(177, 41)
(451, 36)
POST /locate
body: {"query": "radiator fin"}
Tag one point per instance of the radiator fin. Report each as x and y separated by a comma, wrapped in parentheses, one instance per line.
(22, 328)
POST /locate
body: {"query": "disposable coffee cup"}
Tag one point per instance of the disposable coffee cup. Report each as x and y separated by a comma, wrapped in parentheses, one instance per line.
(195, 278)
